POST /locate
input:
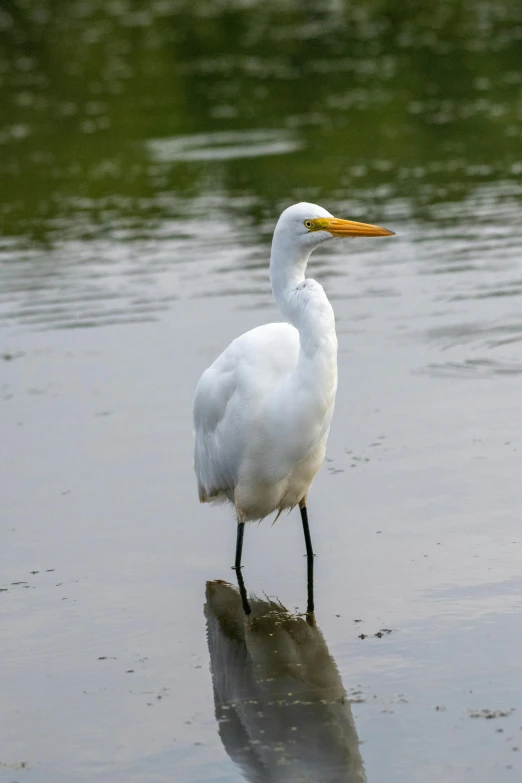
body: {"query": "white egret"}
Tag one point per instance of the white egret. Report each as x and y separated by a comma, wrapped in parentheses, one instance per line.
(262, 410)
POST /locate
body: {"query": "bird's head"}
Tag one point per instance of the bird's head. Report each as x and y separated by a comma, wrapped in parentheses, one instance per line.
(309, 225)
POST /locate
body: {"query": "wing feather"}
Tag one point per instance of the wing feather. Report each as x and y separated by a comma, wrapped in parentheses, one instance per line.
(229, 394)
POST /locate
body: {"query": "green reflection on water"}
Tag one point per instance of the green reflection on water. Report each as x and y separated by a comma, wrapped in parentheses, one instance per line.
(380, 104)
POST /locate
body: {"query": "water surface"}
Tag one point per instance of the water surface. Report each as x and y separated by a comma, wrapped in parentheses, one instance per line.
(147, 150)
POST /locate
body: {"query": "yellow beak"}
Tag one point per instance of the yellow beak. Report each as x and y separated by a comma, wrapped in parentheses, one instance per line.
(350, 228)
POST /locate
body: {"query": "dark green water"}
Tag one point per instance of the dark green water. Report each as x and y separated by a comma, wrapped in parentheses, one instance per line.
(146, 150)
(274, 101)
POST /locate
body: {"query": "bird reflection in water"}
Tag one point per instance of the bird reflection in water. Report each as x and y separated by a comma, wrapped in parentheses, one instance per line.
(283, 714)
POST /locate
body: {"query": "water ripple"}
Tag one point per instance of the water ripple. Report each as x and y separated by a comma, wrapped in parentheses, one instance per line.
(468, 288)
(223, 145)
(473, 368)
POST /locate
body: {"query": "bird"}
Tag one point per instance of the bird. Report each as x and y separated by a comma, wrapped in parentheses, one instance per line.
(282, 710)
(262, 410)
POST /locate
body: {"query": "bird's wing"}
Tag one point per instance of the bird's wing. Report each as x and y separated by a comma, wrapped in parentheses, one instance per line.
(227, 397)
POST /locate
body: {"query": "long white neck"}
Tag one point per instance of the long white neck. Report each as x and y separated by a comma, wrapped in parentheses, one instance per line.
(287, 271)
(302, 302)
(306, 399)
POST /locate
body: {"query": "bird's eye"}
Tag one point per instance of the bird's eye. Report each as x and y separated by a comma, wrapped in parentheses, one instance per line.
(308, 223)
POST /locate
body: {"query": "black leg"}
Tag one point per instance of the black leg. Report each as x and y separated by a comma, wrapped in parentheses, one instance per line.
(309, 559)
(239, 545)
(242, 591)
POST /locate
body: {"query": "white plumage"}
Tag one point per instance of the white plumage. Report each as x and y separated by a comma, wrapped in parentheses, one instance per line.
(262, 410)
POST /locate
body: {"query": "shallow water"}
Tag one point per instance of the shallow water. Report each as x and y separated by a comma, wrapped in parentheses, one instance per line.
(146, 153)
